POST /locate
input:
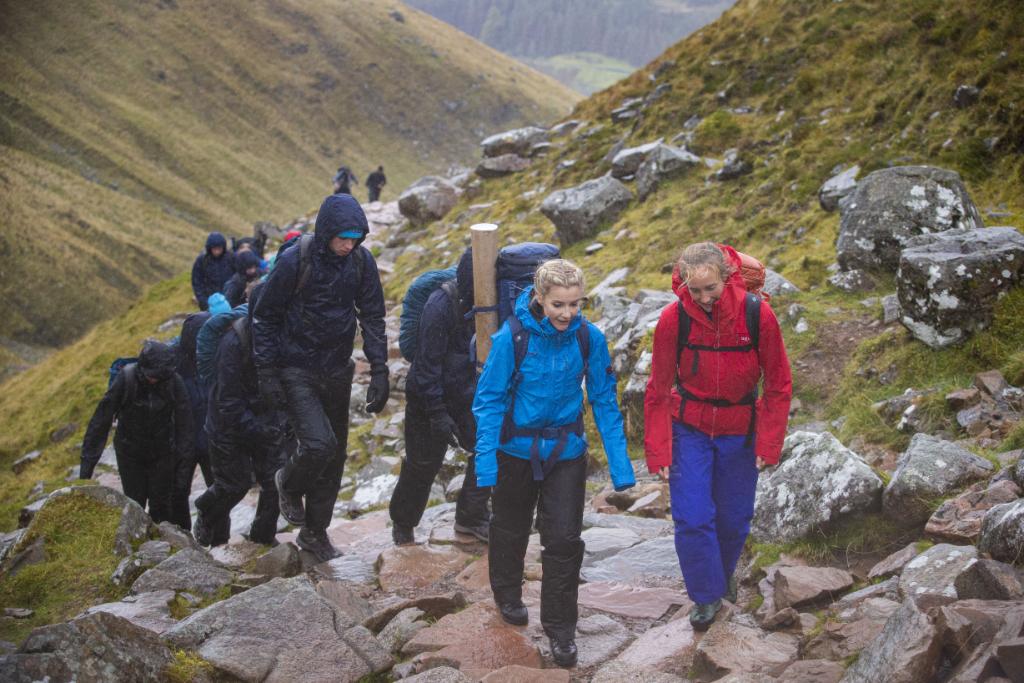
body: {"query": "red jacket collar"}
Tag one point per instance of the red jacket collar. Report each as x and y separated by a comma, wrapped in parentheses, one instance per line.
(728, 307)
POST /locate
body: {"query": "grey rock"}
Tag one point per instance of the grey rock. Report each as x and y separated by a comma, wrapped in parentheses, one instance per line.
(192, 571)
(282, 631)
(149, 554)
(564, 128)
(888, 589)
(578, 212)
(428, 199)
(24, 461)
(176, 536)
(965, 95)
(440, 674)
(99, 648)
(906, 651)
(151, 611)
(602, 543)
(518, 141)
(733, 167)
(890, 308)
(894, 563)
(818, 482)
(28, 512)
(503, 165)
(854, 280)
(948, 283)
(647, 529)
(627, 161)
(989, 580)
(731, 647)
(401, 629)
(633, 396)
(889, 206)
(661, 163)
(617, 672)
(282, 561)
(929, 469)
(1002, 532)
(837, 187)
(598, 637)
(776, 285)
(929, 579)
(656, 557)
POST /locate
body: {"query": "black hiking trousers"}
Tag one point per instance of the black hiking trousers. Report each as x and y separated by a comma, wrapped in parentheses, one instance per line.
(561, 495)
(318, 411)
(424, 455)
(374, 193)
(147, 480)
(184, 473)
(235, 467)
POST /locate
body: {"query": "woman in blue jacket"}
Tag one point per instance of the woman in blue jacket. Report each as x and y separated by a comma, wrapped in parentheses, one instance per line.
(530, 444)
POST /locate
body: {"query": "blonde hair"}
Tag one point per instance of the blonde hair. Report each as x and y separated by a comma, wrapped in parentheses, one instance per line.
(556, 273)
(702, 258)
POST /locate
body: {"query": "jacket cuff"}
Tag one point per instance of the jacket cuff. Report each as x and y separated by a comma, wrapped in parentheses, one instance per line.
(379, 369)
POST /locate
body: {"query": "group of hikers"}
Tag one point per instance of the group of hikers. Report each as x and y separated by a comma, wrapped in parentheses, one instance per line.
(271, 406)
(344, 179)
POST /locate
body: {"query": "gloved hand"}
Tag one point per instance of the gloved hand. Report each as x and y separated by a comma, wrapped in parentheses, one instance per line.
(379, 390)
(442, 425)
(271, 390)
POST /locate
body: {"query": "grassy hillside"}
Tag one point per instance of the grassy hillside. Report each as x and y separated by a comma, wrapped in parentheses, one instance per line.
(128, 129)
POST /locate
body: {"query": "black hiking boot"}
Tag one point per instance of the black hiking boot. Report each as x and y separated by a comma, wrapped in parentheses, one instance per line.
(563, 652)
(514, 613)
(272, 542)
(317, 543)
(291, 505)
(201, 531)
(402, 535)
(702, 616)
(731, 590)
(481, 531)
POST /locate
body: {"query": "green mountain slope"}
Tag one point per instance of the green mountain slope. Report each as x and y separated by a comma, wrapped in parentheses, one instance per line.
(127, 129)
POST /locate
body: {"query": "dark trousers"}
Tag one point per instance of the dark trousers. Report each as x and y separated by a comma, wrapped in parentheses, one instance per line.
(185, 471)
(561, 496)
(147, 481)
(234, 469)
(374, 193)
(318, 412)
(424, 454)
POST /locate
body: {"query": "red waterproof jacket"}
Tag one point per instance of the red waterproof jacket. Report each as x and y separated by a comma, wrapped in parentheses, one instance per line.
(727, 375)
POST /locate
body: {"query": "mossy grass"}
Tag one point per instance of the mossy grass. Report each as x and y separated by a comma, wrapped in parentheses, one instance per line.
(78, 535)
(188, 666)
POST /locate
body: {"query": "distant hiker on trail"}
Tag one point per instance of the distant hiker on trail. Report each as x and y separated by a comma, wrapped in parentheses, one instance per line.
(247, 442)
(247, 269)
(344, 179)
(186, 469)
(706, 432)
(154, 428)
(304, 327)
(530, 442)
(212, 269)
(438, 411)
(374, 182)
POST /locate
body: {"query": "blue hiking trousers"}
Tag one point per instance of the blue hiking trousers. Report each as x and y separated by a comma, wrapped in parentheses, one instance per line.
(712, 483)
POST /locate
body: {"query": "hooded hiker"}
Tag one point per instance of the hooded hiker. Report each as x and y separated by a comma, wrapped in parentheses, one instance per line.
(212, 269)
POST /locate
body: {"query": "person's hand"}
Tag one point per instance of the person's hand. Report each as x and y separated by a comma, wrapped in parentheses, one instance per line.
(378, 391)
(442, 424)
(271, 390)
(760, 463)
(663, 473)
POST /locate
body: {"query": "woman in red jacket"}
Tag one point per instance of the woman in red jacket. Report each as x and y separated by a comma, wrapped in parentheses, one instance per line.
(706, 431)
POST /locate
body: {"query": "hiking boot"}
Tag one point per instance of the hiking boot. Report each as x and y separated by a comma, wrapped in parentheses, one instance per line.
(201, 531)
(563, 652)
(272, 542)
(481, 531)
(731, 590)
(291, 505)
(701, 616)
(514, 613)
(317, 543)
(402, 535)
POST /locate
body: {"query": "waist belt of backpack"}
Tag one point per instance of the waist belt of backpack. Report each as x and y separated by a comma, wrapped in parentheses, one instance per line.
(748, 400)
(542, 468)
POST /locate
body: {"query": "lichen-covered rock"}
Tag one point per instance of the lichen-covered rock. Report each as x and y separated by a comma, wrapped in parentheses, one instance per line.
(733, 167)
(664, 161)
(817, 482)
(1002, 532)
(948, 283)
(929, 579)
(837, 187)
(891, 205)
(518, 141)
(929, 470)
(906, 651)
(776, 285)
(578, 212)
(428, 199)
(627, 161)
(191, 571)
(959, 519)
(502, 165)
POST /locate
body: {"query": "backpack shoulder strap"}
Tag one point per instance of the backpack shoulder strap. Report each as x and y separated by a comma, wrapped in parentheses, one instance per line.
(452, 291)
(752, 310)
(360, 263)
(305, 247)
(683, 334)
(520, 340)
(583, 339)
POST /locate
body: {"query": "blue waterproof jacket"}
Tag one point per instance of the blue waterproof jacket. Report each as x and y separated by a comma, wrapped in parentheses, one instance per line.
(314, 328)
(209, 274)
(549, 395)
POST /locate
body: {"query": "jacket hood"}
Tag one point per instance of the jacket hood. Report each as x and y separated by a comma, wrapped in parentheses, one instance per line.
(246, 260)
(340, 212)
(543, 326)
(731, 301)
(215, 239)
(464, 279)
(157, 360)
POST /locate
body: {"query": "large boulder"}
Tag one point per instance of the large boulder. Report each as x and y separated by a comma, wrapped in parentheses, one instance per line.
(428, 199)
(983, 640)
(664, 161)
(627, 161)
(192, 571)
(505, 164)
(906, 651)
(1002, 532)
(99, 648)
(283, 630)
(891, 205)
(818, 481)
(578, 212)
(948, 283)
(929, 579)
(929, 470)
(837, 187)
(518, 141)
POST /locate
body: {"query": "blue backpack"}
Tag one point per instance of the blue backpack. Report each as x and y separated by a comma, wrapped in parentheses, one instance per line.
(209, 338)
(412, 306)
(514, 272)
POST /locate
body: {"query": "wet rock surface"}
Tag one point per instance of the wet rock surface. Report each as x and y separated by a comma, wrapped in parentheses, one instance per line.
(578, 212)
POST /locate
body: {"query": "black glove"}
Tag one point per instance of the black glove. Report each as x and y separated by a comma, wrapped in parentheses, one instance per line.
(378, 391)
(271, 390)
(442, 425)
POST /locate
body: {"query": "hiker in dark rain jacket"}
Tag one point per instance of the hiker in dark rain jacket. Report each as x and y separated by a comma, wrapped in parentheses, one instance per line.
(303, 331)
(247, 269)
(197, 400)
(212, 269)
(154, 428)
